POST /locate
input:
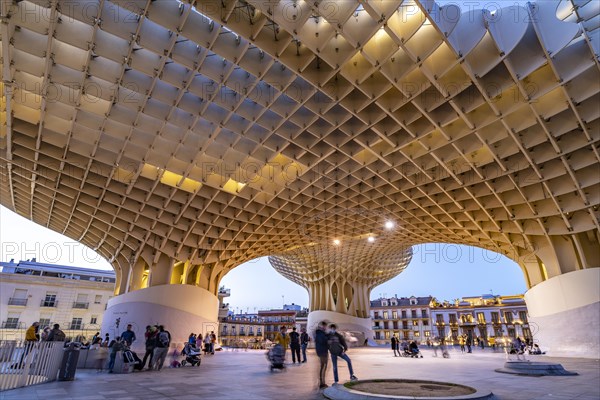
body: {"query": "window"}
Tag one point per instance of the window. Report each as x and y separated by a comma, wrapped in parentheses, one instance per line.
(98, 299)
(49, 300)
(44, 322)
(452, 318)
(404, 325)
(19, 298)
(439, 318)
(258, 331)
(425, 322)
(395, 324)
(481, 318)
(385, 315)
(76, 323)
(441, 332)
(523, 316)
(251, 331)
(495, 317)
(413, 301)
(413, 313)
(417, 333)
(415, 323)
(387, 334)
(12, 321)
(394, 302)
(394, 314)
(427, 334)
(94, 319)
(384, 303)
(403, 313)
(498, 332)
(377, 336)
(424, 314)
(376, 315)
(81, 302)
(385, 325)
(508, 317)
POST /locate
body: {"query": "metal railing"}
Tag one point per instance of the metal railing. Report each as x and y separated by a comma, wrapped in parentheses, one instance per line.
(11, 325)
(13, 301)
(77, 304)
(49, 303)
(28, 363)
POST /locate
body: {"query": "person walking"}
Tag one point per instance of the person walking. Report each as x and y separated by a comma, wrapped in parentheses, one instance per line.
(128, 336)
(304, 339)
(322, 350)
(163, 340)
(283, 339)
(469, 342)
(395, 346)
(461, 342)
(295, 345)
(337, 348)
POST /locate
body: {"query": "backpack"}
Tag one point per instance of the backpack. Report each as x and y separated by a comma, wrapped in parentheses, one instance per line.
(59, 336)
(335, 346)
(163, 339)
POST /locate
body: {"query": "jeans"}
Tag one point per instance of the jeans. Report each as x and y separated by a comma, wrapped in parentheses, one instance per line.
(111, 361)
(295, 353)
(396, 350)
(148, 354)
(159, 356)
(323, 368)
(304, 352)
(343, 356)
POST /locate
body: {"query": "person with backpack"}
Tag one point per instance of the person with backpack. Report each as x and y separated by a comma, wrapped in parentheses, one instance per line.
(295, 345)
(304, 339)
(163, 339)
(56, 335)
(338, 347)
(151, 336)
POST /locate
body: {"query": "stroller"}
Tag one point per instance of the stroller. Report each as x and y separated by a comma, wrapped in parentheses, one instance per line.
(191, 355)
(412, 351)
(276, 356)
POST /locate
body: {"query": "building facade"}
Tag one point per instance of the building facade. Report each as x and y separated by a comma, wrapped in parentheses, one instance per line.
(500, 317)
(274, 319)
(73, 297)
(408, 318)
(241, 330)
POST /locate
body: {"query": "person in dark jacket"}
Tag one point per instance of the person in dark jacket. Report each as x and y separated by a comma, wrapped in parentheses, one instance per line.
(395, 346)
(304, 339)
(295, 345)
(150, 336)
(337, 348)
(322, 350)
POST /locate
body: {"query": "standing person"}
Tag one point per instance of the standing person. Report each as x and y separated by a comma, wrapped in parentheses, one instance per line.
(56, 335)
(163, 340)
(115, 347)
(45, 333)
(337, 348)
(304, 339)
(283, 339)
(295, 345)
(481, 342)
(150, 343)
(207, 343)
(461, 342)
(128, 336)
(192, 339)
(322, 350)
(213, 342)
(31, 337)
(96, 338)
(199, 342)
(395, 346)
(468, 342)
(106, 340)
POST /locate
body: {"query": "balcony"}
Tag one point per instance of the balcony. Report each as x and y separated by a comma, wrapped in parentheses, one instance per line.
(75, 326)
(49, 303)
(17, 302)
(11, 325)
(377, 327)
(80, 305)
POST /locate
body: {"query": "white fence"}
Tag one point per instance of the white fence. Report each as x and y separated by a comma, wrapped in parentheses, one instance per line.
(24, 364)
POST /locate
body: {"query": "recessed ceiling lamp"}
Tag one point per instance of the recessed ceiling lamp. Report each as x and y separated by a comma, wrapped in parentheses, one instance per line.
(389, 224)
(371, 239)
(336, 242)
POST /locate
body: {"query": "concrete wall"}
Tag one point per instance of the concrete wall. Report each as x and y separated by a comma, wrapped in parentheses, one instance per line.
(564, 314)
(182, 309)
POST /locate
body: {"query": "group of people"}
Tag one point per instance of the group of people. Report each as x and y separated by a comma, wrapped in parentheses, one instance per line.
(206, 343)
(408, 348)
(33, 335)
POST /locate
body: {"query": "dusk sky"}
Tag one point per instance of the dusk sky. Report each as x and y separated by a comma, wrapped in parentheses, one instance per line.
(441, 270)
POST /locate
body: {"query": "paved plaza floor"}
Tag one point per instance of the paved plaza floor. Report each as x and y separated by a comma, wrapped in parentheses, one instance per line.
(244, 375)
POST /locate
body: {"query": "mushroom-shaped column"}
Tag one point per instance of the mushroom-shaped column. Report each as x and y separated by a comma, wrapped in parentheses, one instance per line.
(339, 278)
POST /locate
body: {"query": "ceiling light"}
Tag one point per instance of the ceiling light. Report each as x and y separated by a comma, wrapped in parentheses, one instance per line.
(371, 239)
(336, 242)
(389, 224)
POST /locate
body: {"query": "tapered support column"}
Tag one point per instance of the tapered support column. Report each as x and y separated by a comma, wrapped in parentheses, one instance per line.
(563, 314)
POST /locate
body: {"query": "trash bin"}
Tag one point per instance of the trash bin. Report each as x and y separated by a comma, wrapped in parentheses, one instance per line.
(68, 366)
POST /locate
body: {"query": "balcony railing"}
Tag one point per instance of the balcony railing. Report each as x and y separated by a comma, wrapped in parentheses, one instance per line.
(11, 325)
(78, 304)
(49, 303)
(17, 302)
(75, 326)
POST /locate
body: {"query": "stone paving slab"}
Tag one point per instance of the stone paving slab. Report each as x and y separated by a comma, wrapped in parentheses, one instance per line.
(241, 375)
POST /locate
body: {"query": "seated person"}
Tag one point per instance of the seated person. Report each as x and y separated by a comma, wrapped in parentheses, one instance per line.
(413, 348)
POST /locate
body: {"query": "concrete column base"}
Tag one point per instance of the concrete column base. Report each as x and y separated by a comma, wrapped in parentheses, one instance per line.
(182, 309)
(355, 329)
(564, 314)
